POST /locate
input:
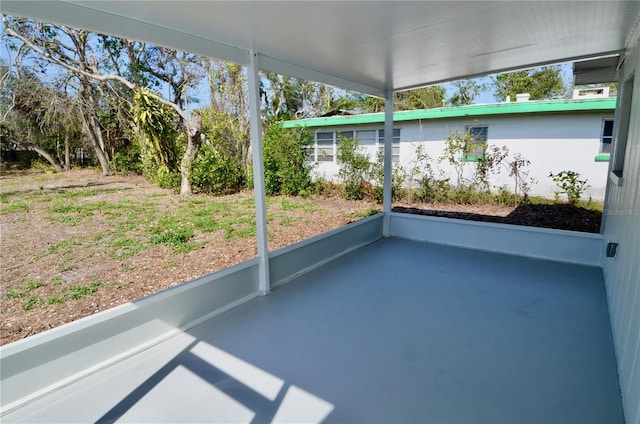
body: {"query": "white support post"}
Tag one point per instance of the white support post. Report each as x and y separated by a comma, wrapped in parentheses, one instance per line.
(388, 155)
(258, 173)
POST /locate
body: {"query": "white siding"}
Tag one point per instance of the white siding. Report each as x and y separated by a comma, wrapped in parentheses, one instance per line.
(551, 143)
(622, 273)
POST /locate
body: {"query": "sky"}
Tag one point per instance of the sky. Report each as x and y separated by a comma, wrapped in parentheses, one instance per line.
(487, 96)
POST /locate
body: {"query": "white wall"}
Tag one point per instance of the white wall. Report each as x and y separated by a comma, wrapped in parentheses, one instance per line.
(622, 273)
(551, 143)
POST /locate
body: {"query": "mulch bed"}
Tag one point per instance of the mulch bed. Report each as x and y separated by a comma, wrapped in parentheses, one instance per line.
(557, 216)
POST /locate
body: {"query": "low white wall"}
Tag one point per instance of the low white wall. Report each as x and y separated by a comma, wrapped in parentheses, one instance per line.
(37, 364)
(34, 366)
(539, 243)
(301, 257)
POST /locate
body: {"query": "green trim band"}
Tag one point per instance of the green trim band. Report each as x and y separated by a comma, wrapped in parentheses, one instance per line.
(469, 159)
(604, 157)
(537, 106)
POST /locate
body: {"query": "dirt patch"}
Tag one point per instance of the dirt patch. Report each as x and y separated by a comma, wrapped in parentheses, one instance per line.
(75, 244)
(557, 216)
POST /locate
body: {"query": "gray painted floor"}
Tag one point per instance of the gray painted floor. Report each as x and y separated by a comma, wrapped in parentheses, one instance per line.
(396, 332)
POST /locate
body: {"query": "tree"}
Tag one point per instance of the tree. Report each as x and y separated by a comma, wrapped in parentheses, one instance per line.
(228, 88)
(467, 91)
(37, 117)
(540, 83)
(287, 97)
(419, 98)
(66, 49)
(71, 50)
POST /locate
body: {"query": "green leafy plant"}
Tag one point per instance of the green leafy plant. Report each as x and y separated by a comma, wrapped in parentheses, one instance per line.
(355, 169)
(459, 146)
(216, 173)
(286, 166)
(398, 177)
(30, 302)
(570, 184)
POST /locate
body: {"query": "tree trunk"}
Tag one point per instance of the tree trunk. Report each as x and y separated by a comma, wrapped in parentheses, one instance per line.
(194, 135)
(102, 158)
(34, 147)
(67, 153)
(187, 161)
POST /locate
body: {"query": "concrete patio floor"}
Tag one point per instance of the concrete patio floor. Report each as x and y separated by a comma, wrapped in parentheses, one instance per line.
(395, 332)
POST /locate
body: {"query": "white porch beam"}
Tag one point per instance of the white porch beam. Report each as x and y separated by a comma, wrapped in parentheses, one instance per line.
(281, 67)
(258, 173)
(388, 155)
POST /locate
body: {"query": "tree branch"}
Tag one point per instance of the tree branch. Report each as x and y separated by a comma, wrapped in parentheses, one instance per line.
(98, 77)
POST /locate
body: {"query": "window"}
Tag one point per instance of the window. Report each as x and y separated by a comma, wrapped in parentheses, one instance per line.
(607, 136)
(479, 135)
(347, 134)
(623, 130)
(395, 146)
(324, 146)
(366, 137)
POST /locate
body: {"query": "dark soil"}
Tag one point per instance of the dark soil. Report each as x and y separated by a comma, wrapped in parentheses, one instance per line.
(558, 216)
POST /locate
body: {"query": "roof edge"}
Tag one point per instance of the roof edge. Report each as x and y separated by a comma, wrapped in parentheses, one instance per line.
(529, 107)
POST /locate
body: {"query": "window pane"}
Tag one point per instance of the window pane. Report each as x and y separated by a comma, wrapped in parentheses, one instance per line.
(367, 137)
(479, 134)
(396, 136)
(346, 134)
(607, 130)
(324, 136)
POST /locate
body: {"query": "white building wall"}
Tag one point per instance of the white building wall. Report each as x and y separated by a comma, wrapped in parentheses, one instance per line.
(552, 143)
(622, 272)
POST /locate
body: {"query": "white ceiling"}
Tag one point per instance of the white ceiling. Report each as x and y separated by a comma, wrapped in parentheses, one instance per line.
(365, 46)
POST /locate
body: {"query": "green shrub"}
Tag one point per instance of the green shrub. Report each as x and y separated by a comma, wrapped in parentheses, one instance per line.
(570, 184)
(157, 171)
(398, 177)
(127, 162)
(216, 173)
(355, 169)
(433, 190)
(286, 166)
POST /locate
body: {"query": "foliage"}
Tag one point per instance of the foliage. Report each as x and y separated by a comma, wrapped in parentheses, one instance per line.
(458, 147)
(158, 141)
(216, 173)
(498, 157)
(419, 98)
(467, 91)
(157, 123)
(288, 98)
(127, 162)
(398, 178)
(286, 166)
(434, 190)
(37, 116)
(540, 83)
(355, 169)
(418, 169)
(570, 184)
